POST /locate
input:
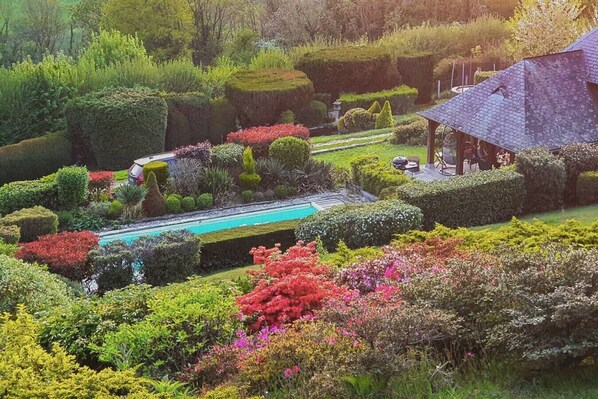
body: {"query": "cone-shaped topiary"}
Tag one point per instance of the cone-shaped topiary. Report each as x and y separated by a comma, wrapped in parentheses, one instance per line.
(249, 179)
(153, 205)
(384, 119)
(375, 108)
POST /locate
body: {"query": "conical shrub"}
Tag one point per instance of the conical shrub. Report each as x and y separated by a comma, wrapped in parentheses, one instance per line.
(384, 119)
(153, 205)
(375, 108)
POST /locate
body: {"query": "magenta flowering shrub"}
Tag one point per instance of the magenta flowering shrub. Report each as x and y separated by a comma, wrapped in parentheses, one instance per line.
(201, 152)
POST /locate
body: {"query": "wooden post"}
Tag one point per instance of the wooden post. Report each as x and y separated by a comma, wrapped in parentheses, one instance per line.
(491, 151)
(460, 152)
(432, 126)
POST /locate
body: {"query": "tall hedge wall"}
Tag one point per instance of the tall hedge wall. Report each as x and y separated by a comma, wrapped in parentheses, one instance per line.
(358, 69)
(34, 158)
(261, 95)
(223, 119)
(418, 71)
(401, 99)
(578, 158)
(118, 125)
(469, 200)
(188, 119)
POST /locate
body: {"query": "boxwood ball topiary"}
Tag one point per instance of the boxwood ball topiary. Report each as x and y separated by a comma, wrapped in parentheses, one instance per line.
(114, 126)
(261, 95)
(358, 69)
(292, 152)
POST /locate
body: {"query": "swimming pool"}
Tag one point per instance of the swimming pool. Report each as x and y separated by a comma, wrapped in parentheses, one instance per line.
(204, 226)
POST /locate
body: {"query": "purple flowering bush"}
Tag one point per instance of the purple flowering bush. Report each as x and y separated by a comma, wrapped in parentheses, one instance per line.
(201, 152)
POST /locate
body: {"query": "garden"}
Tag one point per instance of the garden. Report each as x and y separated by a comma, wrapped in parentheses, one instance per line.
(478, 286)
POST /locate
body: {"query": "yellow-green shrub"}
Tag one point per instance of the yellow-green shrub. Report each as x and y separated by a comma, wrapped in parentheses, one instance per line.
(33, 222)
(587, 188)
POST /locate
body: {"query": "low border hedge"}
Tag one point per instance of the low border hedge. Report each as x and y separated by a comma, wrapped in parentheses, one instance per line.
(401, 99)
(33, 222)
(470, 200)
(230, 248)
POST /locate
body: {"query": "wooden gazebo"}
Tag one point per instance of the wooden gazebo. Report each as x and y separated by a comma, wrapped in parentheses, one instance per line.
(547, 101)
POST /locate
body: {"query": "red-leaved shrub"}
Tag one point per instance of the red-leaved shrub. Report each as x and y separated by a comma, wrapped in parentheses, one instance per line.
(201, 152)
(260, 138)
(100, 182)
(64, 253)
(290, 286)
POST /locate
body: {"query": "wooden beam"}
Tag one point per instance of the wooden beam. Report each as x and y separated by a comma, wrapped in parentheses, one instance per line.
(432, 126)
(491, 150)
(460, 152)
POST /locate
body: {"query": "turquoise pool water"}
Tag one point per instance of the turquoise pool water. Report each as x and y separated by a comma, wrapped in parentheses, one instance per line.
(294, 212)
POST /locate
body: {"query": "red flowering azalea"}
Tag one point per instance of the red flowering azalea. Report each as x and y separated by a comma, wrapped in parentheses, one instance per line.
(260, 138)
(100, 182)
(64, 253)
(297, 259)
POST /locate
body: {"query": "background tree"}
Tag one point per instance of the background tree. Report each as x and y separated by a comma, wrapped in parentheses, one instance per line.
(43, 24)
(164, 26)
(295, 22)
(544, 26)
(87, 15)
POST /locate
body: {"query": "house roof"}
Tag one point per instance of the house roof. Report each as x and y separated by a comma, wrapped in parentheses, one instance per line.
(547, 101)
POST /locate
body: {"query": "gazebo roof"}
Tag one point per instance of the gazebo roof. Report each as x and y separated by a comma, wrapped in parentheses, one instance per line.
(547, 101)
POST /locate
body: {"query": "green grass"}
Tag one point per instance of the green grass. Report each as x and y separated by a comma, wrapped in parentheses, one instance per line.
(384, 151)
(585, 214)
(121, 175)
(348, 136)
(229, 274)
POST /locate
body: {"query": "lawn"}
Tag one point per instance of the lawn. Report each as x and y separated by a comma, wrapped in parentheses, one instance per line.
(348, 136)
(229, 274)
(384, 151)
(121, 175)
(585, 214)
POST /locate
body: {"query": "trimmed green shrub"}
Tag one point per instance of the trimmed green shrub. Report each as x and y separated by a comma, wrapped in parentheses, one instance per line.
(415, 133)
(160, 169)
(281, 192)
(153, 204)
(545, 178)
(188, 204)
(10, 234)
(188, 120)
(249, 179)
(287, 116)
(177, 196)
(360, 225)
(417, 71)
(325, 98)
(261, 95)
(357, 120)
(374, 176)
(578, 158)
(247, 196)
(314, 114)
(587, 188)
(223, 119)
(33, 222)
(205, 201)
(112, 266)
(227, 155)
(173, 204)
(401, 99)
(292, 152)
(117, 125)
(34, 158)
(470, 200)
(356, 69)
(26, 194)
(169, 257)
(72, 183)
(375, 108)
(481, 76)
(230, 248)
(116, 209)
(358, 163)
(384, 119)
(30, 285)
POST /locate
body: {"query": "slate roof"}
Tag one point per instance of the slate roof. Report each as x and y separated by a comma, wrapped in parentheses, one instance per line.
(547, 101)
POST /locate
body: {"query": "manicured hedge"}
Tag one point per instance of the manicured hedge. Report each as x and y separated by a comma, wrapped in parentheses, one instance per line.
(374, 176)
(481, 76)
(28, 193)
(260, 138)
(587, 188)
(230, 248)
(33, 222)
(401, 99)
(358, 69)
(292, 152)
(469, 200)
(314, 114)
(118, 125)
(34, 158)
(417, 70)
(360, 225)
(72, 184)
(578, 158)
(188, 120)
(10, 234)
(415, 133)
(545, 177)
(261, 95)
(223, 120)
